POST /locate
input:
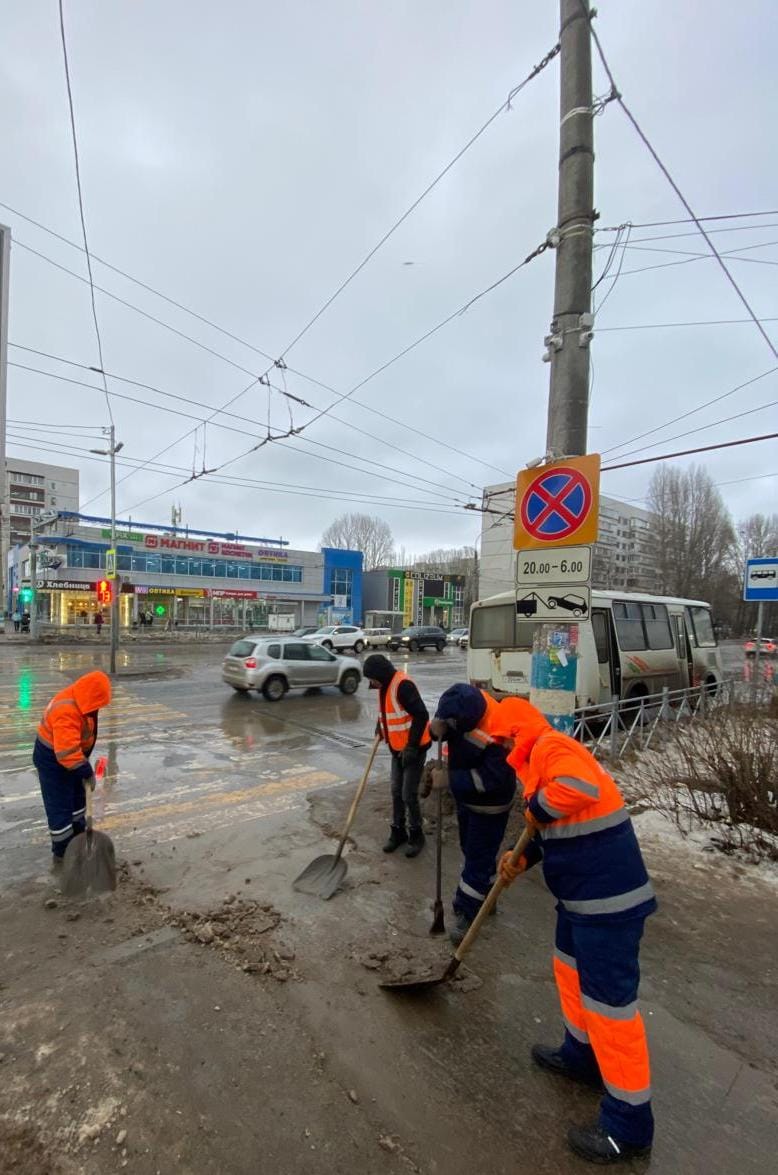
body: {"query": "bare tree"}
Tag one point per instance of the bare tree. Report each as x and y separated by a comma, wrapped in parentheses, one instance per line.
(692, 537)
(362, 532)
(757, 536)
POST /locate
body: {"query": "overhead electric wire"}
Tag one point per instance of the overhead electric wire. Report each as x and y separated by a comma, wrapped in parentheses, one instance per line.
(662, 223)
(257, 378)
(738, 228)
(770, 436)
(552, 53)
(701, 428)
(224, 412)
(81, 204)
(349, 496)
(691, 412)
(444, 491)
(733, 254)
(668, 325)
(689, 210)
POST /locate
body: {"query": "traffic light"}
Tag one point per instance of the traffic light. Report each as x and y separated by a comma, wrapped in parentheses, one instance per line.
(26, 595)
(104, 592)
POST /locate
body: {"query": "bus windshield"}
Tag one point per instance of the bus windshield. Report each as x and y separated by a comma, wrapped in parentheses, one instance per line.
(498, 627)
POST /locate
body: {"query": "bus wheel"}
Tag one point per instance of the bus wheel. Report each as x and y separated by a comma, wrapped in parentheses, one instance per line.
(632, 702)
(711, 687)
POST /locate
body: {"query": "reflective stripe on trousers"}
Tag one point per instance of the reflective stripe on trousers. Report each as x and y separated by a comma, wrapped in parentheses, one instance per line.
(597, 974)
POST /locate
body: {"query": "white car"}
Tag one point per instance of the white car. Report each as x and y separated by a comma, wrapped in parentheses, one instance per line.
(377, 638)
(454, 636)
(339, 637)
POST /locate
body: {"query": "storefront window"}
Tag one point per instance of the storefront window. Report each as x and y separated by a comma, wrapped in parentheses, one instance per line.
(168, 565)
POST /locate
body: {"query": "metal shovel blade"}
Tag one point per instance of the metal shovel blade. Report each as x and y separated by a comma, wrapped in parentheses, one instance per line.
(89, 865)
(411, 984)
(323, 877)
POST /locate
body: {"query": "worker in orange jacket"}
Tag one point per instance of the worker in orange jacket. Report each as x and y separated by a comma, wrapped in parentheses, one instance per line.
(66, 737)
(593, 866)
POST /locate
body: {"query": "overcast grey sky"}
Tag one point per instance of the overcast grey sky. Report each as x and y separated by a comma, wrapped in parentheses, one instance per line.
(242, 157)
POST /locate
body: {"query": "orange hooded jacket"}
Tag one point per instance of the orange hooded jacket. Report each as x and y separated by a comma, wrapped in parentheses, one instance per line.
(591, 858)
(68, 728)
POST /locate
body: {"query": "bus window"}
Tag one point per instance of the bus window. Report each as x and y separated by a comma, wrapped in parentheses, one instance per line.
(657, 625)
(600, 627)
(702, 627)
(629, 625)
(493, 627)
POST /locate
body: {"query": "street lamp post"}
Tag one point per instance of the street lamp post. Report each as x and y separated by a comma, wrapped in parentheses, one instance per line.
(111, 452)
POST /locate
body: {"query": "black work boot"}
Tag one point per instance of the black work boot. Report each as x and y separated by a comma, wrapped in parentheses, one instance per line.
(397, 837)
(551, 1059)
(459, 929)
(594, 1144)
(415, 842)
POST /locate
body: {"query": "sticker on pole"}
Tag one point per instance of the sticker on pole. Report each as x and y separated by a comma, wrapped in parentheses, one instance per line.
(558, 505)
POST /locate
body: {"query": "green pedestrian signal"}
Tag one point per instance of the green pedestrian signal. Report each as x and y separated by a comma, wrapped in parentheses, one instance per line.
(26, 595)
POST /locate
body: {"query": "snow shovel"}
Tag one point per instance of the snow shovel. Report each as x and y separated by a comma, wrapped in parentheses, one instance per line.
(417, 983)
(325, 874)
(438, 921)
(90, 861)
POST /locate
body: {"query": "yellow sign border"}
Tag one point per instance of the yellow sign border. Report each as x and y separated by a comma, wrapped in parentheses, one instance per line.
(588, 467)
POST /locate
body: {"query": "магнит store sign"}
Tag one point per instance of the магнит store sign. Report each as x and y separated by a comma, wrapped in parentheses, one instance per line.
(156, 542)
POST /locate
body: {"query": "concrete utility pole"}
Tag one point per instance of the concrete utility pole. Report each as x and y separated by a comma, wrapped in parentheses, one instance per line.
(5, 522)
(568, 402)
(555, 647)
(115, 583)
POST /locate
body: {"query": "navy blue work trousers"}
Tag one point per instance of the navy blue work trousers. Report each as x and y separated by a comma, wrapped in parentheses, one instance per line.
(64, 799)
(480, 837)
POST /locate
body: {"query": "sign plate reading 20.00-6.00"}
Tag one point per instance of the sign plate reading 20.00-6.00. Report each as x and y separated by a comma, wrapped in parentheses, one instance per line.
(557, 565)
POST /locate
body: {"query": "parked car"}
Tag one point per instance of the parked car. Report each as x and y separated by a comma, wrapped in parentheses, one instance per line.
(377, 638)
(417, 637)
(454, 635)
(464, 639)
(279, 663)
(767, 647)
(338, 636)
(304, 630)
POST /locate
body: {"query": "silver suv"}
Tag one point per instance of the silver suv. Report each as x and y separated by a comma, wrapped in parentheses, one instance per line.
(277, 664)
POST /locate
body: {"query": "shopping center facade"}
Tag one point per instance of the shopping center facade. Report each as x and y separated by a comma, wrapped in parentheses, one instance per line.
(183, 577)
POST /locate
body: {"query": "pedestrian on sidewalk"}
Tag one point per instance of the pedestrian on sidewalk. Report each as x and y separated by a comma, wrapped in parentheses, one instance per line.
(593, 866)
(99, 622)
(483, 786)
(403, 724)
(66, 737)
(26, 621)
(17, 619)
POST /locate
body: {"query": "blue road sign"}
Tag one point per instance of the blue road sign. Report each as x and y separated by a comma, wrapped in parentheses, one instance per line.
(761, 582)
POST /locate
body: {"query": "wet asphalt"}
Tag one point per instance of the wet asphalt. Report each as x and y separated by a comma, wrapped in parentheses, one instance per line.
(210, 793)
(184, 749)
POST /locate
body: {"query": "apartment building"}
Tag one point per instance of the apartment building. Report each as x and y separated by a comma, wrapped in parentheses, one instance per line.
(621, 557)
(34, 488)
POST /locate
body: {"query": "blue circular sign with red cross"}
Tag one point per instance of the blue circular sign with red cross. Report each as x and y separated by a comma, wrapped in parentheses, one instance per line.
(556, 504)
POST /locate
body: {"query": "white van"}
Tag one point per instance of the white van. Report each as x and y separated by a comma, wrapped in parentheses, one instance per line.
(631, 646)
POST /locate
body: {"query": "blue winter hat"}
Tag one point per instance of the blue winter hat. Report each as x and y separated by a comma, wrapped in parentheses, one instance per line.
(464, 703)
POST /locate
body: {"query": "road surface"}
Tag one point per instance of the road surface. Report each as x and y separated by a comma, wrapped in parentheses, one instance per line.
(208, 1019)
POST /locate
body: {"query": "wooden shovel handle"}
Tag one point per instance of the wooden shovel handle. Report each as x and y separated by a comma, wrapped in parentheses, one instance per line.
(358, 796)
(491, 897)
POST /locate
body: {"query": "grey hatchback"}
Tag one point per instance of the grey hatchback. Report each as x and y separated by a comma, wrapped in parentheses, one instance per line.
(276, 664)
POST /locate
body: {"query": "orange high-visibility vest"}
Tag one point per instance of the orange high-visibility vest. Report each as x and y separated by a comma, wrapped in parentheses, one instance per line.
(395, 721)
